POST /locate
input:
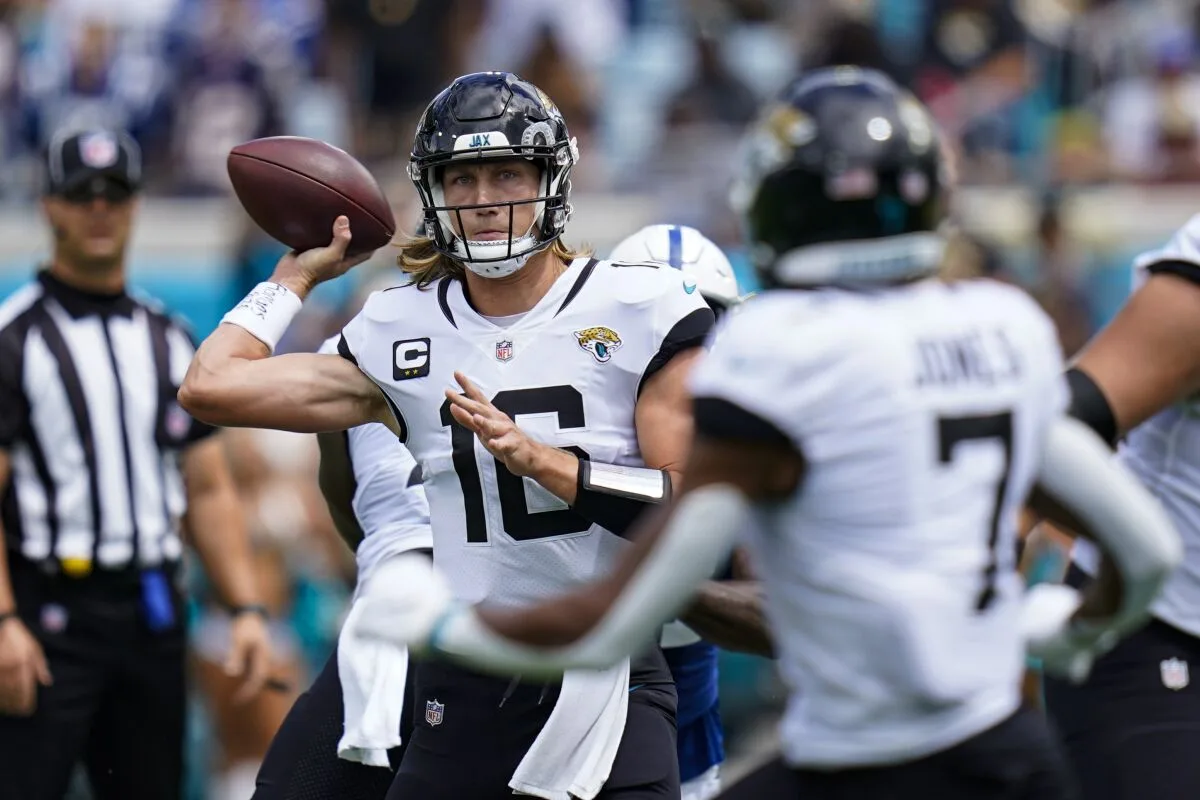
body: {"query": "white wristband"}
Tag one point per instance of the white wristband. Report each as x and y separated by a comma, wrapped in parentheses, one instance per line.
(266, 312)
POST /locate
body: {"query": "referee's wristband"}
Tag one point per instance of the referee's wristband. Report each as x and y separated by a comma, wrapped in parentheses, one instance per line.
(266, 312)
(5, 616)
(252, 608)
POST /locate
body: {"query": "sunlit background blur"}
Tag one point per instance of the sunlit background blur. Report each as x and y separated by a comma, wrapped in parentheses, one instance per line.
(1076, 124)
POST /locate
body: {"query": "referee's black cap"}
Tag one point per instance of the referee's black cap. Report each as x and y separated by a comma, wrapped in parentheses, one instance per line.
(92, 157)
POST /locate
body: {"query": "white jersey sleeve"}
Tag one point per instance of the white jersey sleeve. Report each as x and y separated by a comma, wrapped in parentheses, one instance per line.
(388, 499)
(797, 379)
(351, 344)
(680, 318)
(389, 502)
(1183, 246)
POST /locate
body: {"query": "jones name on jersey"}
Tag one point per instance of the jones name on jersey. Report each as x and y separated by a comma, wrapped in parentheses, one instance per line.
(569, 372)
(889, 574)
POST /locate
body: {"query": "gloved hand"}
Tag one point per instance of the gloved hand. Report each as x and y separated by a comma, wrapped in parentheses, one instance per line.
(1066, 647)
(403, 602)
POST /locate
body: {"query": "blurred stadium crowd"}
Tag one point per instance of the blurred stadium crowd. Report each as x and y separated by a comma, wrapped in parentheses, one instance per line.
(1045, 91)
(1038, 93)
(1056, 100)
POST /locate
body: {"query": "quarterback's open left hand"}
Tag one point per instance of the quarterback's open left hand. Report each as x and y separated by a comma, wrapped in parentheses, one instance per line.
(499, 434)
(403, 602)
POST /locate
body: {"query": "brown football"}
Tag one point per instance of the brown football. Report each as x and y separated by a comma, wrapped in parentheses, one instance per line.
(294, 188)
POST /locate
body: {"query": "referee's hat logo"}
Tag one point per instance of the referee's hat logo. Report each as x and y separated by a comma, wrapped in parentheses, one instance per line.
(98, 150)
(1174, 673)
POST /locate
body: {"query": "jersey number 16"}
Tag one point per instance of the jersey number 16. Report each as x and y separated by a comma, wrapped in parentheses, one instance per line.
(564, 401)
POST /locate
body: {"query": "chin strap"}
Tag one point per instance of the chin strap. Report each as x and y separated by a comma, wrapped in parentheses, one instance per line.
(487, 268)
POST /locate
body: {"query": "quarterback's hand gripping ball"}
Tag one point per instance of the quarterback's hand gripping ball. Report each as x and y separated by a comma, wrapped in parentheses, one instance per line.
(295, 187)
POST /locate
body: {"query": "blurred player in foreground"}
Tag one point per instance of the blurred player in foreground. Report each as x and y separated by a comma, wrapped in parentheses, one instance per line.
(693, 661)
(877, 434)
(1133, 729)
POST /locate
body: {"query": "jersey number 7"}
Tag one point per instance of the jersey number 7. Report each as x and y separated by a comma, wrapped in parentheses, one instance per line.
(996, 427)
(564, 401)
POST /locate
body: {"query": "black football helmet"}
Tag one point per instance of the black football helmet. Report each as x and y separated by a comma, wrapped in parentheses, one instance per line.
(493, 115)
(843, 183)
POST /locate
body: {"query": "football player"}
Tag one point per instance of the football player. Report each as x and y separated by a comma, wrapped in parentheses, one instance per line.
(1132, 730)
(693, 661)
(883, 429)
(372, 488)
(588, 356)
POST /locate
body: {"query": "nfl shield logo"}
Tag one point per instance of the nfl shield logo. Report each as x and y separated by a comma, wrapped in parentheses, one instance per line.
(98, 150)
(504, 350)
(54, 618)
(178, 422)
(433, 712)
(1174, 673)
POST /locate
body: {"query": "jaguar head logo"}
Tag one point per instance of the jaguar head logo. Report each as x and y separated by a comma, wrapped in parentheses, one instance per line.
(601, 342)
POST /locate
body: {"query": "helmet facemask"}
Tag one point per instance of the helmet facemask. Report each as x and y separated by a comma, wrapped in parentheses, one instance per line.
(502, 257)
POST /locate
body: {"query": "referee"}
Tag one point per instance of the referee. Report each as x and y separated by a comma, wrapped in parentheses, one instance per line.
(102, 476)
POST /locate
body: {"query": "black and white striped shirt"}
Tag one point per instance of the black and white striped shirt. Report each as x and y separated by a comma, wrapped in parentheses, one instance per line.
(89, 418)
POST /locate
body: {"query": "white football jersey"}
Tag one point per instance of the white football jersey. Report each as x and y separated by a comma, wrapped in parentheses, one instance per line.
(890, 574)
(569, 372)
(389, 502)
(1164, 452)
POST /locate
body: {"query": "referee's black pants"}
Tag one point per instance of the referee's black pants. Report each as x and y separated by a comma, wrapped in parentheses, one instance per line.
(118, 698)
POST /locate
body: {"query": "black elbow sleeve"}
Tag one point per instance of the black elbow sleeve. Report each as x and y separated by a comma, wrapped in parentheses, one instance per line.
(1090, 406)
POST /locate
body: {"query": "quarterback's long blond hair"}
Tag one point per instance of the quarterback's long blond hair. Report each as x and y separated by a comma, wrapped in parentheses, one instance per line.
(424, 264)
